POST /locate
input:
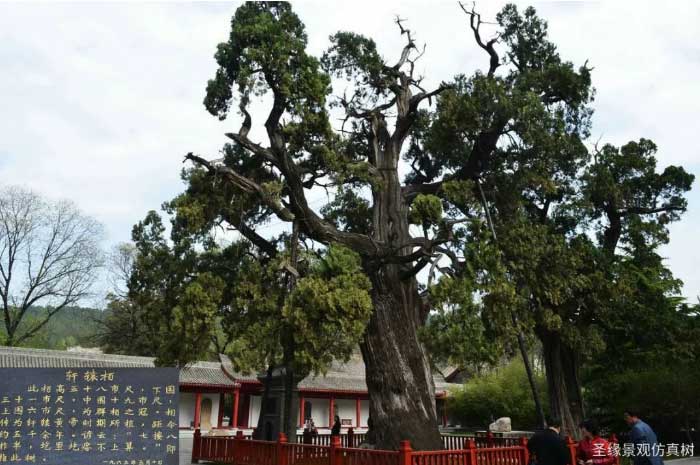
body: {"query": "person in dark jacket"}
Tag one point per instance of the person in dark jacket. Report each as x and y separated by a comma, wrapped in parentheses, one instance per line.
(547, 447)
(644, 439)
(335, 431)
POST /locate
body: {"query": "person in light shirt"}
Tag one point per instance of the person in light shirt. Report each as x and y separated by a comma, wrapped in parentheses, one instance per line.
(644, 439)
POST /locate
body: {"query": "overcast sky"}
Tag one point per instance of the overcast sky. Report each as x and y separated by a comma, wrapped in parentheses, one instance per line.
(99, 102)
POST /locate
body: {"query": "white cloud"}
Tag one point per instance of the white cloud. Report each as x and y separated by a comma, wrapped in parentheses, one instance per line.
(99, 102)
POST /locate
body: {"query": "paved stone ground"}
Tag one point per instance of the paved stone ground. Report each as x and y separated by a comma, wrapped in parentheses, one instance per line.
(186, 451)
(685, 461)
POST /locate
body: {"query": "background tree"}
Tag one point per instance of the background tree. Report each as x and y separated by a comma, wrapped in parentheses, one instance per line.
(49, 256)
(236, 298)
(549, 199)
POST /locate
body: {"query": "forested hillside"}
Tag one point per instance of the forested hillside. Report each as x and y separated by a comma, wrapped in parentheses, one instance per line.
(71, 326)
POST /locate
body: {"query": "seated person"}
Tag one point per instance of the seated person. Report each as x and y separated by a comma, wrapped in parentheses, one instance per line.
(592, 449)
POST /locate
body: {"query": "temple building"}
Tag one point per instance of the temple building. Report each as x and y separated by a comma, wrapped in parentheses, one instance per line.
(221, 401)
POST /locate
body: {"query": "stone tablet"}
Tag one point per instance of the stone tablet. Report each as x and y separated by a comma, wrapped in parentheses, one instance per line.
(89, 416)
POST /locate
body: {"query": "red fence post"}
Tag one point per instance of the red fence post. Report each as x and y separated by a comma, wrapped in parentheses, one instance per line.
(333, 455)
(526, 452)
(196, 445)
(405, 453)
(281, 456)
(237, 446)
(489, 438)
(471, 449)
(572, 450)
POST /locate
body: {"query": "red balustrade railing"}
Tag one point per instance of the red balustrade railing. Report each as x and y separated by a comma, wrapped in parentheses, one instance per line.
(349, 439)
(459, 450)
(471, 454)
(458, 441)
(305, 454)
(366, 456)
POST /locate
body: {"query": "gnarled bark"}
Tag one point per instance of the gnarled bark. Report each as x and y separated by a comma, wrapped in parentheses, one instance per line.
(562, 368)
(399, 378)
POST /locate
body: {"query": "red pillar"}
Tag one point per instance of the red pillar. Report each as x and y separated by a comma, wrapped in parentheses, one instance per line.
(358, 412)
(331, 412)
(197, 409)
(471, 448)
(333, 455)
(236, 396)
(196, 446)
(526, 453)
(301, 411)
(405, 453)
(281, 455)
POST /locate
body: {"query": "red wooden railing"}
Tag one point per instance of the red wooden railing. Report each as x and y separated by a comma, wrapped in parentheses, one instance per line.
(349, 439)
(458, 441)
(242, 451)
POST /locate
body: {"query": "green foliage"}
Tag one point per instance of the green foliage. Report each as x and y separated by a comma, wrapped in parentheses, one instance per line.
(194, 317)
(125, 331)
(349, 212)
(328, 310)
(666, 396)
(624, 187)
(266, 49)
(173, 298)
(501, 392)
(458, 333)
(191, 297)
(426, 210)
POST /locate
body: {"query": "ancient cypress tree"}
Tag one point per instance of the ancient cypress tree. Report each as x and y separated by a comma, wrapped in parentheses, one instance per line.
(528, 104)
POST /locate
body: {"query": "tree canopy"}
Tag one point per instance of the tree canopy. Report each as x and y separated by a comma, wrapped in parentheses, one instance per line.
(483, 181)
(49, 256)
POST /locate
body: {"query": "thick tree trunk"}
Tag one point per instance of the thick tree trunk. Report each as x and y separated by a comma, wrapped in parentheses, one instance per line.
(562, 382)
(399, 378)
(398, 373)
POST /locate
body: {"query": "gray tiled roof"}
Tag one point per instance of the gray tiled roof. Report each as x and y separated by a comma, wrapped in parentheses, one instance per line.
(341, 376)
(345, 376)
(205, 373)
(350, 376)
(196, 373)
(227, 366)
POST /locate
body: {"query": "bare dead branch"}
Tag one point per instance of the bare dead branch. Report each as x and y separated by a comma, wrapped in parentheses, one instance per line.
(475, 23)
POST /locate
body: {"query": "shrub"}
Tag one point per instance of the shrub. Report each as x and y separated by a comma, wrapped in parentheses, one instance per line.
(503, 392)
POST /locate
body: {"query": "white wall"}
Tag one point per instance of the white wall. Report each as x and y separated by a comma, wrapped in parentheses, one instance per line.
(347, 410)
(254, 411)
(187, 401)
(320, 409)
(186, 409)
(364, 412)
